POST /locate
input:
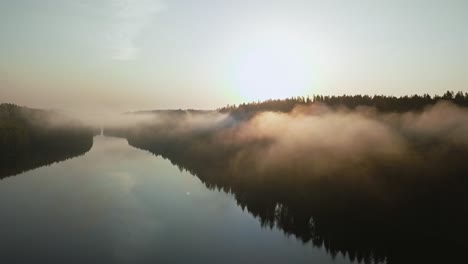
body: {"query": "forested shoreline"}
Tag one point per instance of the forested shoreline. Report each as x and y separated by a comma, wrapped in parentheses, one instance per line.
(31, 138)
(376, 179)
(374, 184)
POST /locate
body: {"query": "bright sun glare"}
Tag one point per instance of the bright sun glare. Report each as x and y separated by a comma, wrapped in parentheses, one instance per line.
(273, 65)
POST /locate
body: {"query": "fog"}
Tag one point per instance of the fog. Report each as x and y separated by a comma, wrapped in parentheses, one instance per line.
(333, 140)
(383, 184)
(308, 143)
(314, 143)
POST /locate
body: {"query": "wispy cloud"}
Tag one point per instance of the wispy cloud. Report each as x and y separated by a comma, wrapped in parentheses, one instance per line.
(128, 19)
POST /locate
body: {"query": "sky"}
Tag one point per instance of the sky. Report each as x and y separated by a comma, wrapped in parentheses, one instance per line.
(157, 54)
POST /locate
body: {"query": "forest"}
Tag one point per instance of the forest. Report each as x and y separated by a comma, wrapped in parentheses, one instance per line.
(376, 179)
(31, 138)
(381, 103)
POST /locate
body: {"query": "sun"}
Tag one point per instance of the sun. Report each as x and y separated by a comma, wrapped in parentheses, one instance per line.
(272, 66)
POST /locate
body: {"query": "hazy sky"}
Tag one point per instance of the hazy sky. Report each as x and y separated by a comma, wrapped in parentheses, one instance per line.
(147, 54)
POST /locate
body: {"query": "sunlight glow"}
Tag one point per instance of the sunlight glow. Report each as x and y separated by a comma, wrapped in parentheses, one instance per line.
(273, 65)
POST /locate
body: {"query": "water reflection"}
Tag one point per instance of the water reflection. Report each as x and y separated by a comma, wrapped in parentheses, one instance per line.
(28, 157)
(425, 225)
(117, 204)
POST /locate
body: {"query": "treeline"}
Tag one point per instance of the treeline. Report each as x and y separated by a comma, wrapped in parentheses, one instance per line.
(382, 103)
(30, 138)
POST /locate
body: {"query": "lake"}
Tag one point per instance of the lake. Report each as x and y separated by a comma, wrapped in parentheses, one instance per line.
(119, 204)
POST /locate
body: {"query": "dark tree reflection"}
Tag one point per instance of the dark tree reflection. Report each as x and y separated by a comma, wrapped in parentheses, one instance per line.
(31, 138)
(425, 225)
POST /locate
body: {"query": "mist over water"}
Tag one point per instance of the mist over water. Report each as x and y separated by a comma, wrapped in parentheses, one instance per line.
(324, 142)
(352, 184)
(363, 183)
(247, 131)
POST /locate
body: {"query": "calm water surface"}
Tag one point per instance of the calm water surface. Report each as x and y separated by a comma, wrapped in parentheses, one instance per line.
(123, 205)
